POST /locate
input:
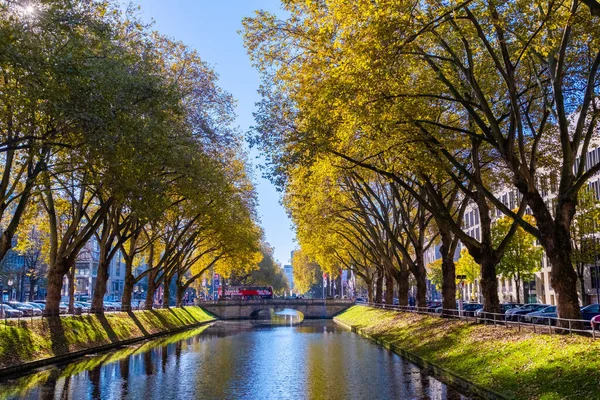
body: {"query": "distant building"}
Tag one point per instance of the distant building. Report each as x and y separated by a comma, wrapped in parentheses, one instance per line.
(289, 273)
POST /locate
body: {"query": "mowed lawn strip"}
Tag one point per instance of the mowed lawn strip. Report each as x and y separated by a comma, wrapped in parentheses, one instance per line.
(36, 339)
(521, 365)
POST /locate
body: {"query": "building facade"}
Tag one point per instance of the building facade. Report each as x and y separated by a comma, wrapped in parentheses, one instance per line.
(539, 290)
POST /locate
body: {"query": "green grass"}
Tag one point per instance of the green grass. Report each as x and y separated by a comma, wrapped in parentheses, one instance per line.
(19, 388)
(520, 365)
(41, 338)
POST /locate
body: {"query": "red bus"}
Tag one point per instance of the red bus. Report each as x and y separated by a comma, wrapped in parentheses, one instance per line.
(246, 292)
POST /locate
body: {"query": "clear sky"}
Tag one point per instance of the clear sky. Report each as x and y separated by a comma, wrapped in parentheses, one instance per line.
(211, 27)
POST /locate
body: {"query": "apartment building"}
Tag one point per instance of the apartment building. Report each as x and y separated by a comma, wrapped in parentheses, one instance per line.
(539, 289)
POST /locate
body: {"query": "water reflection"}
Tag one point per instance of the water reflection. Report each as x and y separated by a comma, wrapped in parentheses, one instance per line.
(240, 360)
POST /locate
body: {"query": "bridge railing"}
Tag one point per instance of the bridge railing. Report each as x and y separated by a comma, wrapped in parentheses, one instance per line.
(275, 301)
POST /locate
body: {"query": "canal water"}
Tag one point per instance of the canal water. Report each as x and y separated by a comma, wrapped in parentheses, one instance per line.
(278, 358)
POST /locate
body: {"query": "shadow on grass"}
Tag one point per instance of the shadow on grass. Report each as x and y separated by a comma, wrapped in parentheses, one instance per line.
(185, 310)
(57, 335)
(112, 336)
(182, 322)
(164, 321)
(137, 323)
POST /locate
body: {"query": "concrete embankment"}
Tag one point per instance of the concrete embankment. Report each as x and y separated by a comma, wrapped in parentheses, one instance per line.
(33, 343)
(486, 361)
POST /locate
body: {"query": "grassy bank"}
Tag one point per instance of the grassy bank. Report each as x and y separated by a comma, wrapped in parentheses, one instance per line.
(37, 339)
(520, 365)
(18, 388)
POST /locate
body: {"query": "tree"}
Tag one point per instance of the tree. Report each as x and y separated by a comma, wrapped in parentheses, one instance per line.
(307, 273)
(583, 235)
(467, 266)
(443, 84)
(522, 258)
(435, 274)
(268, 273)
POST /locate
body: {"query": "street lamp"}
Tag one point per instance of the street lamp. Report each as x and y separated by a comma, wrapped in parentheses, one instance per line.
(10, 283)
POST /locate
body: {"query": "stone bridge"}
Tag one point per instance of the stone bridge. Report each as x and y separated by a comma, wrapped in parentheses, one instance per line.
(248, 309)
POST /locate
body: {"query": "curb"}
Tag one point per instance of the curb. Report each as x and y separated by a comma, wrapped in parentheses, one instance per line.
(25, 368)
(444, 375)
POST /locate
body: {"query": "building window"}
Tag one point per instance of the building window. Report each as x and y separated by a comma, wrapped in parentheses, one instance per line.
(595, 275)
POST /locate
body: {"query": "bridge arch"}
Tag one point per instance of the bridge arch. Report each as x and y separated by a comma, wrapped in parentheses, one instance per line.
(245, 309)
(255, 314)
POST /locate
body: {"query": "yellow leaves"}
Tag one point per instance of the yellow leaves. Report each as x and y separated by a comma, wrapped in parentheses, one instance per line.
(466, 265)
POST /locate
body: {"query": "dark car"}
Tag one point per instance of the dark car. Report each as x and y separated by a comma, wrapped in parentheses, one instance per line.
(544, 316)
(589, 312)
(514, 314)
(360, 300)
(504, 307)
(41, 306)
(7, 311)
(26, 309)
(469, 309)
(432, 305)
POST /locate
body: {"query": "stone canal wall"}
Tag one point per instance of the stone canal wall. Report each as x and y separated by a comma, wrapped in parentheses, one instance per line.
(33, 343)
(485, 360)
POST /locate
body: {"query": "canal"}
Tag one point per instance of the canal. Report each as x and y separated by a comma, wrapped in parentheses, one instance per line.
(280, 358)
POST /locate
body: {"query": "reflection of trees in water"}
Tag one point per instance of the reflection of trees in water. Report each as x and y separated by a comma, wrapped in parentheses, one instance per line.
(94, 377)
(124, 373)
(164, 352)
(148, 365)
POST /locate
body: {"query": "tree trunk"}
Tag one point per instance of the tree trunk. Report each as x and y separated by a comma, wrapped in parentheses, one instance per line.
(389, 289)
(555, 238)
(179, 295)
(378, 287)
(166, 292)
(53, 290)
(369, 290)
(564, 282)
(150, 294)
(127, 291)
(421, 279)
(100, 288)
(448, 274)
(32, 283)
(403, 287)
(72, 285)
(489, 284)
(518, 289)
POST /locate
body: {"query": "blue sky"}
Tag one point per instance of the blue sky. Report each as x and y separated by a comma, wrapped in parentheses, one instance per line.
(211, 27)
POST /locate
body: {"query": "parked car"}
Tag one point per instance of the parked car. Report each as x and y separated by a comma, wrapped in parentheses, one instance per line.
(26, 309)
(589, 312)
(515, 313)
(360, 300)
(41, 306)
(504, 307)
(138, 304)
(7, 311)
(595, 321)
(542, 316)
(63, 307)
(85, 307)
(117, 305)
(469, 309)
(432, 305)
